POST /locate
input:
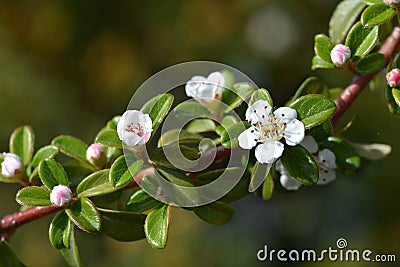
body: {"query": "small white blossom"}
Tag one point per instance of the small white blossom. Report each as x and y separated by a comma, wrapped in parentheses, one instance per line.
(11, 166)
(95, 154)
(392, 3)
(60, 195)
(269, 129)
(325, 160)
(205, 89)
(340, 54)
(134, 128)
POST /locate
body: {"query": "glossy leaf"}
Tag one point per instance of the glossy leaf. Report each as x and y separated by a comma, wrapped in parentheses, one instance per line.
(323, 47)
(179, 135)
(396, 95)
(229, 137)
(371, 2)
(59, 231)
(140, 201)
(311, 85)
(268, 186)
(319, 63)
(392, 105)
(158, 156)
(261, 94)
(120, 174)
(112, 124)
(158, 108)
(75, 173)
(71, 146)
(371, 63)
(217, 213)
(240, 92)
(190, 110)
(84, 215)
(109, 138)
(71, 254)
(21, 143)
(300, 164)
(156, 226)
(377, 14)
(52, 173)
(321, 132)
(312, 110)
(96, 184)
(122, 226)
(8, 257)
(344, 16)
(47, 152)
(362, 40)
(347, 159)
(201, 126)
(33, 196)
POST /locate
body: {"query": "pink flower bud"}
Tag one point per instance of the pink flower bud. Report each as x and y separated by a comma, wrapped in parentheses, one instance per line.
(393, 78)
(393, 3)
(60, 195)
(340, 54)
(95, 154)
(11, 166)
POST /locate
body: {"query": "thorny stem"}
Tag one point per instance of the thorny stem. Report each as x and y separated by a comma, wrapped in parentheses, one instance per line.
(360, 82)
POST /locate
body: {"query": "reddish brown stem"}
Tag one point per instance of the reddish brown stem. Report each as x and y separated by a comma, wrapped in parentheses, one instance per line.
(360, 82)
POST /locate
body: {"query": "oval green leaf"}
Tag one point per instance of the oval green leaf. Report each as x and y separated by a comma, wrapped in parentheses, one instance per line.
(59, 231)
(190, 110)
(377, 14)
(323, 46)
(156, 226)
(158, 108)
(84, 215)
(218, 213)
(96, 184)
(229, 137)
(47, 152)
(109, 138)
(71, 254)
(140, 201)
(71, 146)
(234, 97)
(52, 173)
(319, 63)
(22, 141)
(33, 196)
(371, 63)
(120, 174)
(261, 94)
(362, 40)
(311, 85)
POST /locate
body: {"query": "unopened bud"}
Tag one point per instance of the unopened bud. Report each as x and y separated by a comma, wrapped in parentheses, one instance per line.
(393, 78)
(393, 3)
(60, 195)
(12, 165)
(95, 154)
(340, 54)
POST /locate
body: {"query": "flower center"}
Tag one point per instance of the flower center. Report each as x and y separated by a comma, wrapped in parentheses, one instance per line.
(136, 128)
(272, 128)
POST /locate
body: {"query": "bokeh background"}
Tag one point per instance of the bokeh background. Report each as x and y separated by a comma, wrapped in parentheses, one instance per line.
(66, 67)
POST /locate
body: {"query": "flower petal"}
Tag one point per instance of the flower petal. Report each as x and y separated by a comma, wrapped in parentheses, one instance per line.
(248, 138)
(326, 176)
(289, 183)
(193, 85)
(216, 78)
(310, 144)
(269, 151)
(258, 112)
(327, 158)
(294, 132)
(285, 114)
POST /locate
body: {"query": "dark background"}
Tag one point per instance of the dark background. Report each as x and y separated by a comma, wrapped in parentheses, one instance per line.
(66, 67)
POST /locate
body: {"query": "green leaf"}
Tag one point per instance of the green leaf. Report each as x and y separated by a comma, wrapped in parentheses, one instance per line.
(201, 126)
(371, 63)
(319, 63)
(313, 109)
(47, 152)
(347, 159)
(71, 254)
(229, 78)
(322, 131)
(96, 184)
(158, 108)
(156, 226)
(240, 92)
(300, 164)
(311, 85)
(229, 137)
(22, 141)
(190, 110)
(258, 175)
(33, 196)
(396, 95)
(371, 2)
(179, 135)
(51, 173)
(8, 258)
(394, 108)
(141, 201)
(59, 231)
(362, 40)
(344, 16)
(120, 175)
(158, 156)
(112, 124)
(377, 14)
(122, 226)
(75, 173)
(323, 46)
(268, 186)
(217, 213)
(71, 146)
(84, 215)
(109, 138)
(261, 94)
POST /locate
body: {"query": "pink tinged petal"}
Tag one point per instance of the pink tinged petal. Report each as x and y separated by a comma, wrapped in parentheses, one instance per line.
(340, 54)
(310, 144)
(326, 176)
(327, 158)
(285, 114)
(11, 166)
(60, 195)
(258, 112)
(289, 183)
(218, 79)
(393, 77)
(269, 151)
(248, 138)
(294, 132)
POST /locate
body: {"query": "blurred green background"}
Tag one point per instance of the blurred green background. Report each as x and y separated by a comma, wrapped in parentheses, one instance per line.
(68, 66)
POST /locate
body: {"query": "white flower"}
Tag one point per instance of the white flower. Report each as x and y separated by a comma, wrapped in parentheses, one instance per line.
(60, 195)
(326, 162)
(268, 129)
(134, 128)
(95, 154)
(205, 89)
(11, 166)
